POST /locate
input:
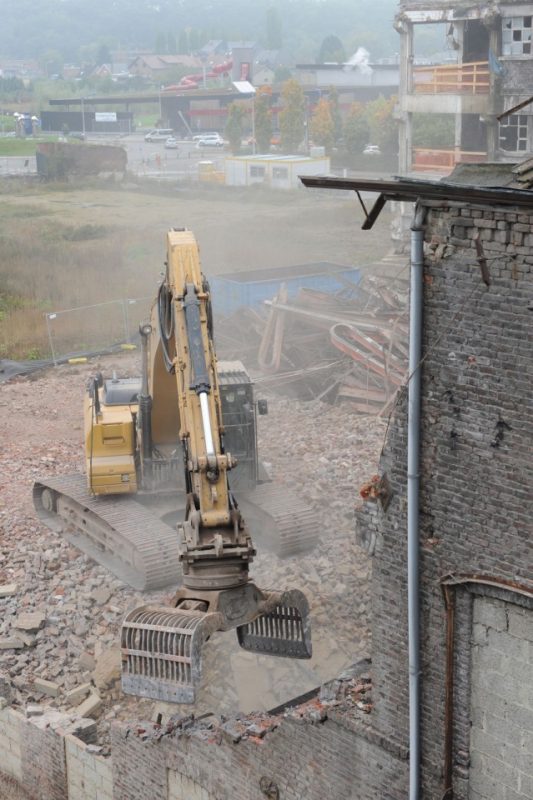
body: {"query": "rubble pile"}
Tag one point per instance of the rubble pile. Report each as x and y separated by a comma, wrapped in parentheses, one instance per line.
(60, 613)
(348, 345)
(351, 692)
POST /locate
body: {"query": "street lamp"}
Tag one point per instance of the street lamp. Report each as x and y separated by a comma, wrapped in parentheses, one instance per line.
(246, 88)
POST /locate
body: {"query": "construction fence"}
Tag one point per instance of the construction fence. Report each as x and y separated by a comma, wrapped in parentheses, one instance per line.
(96, 328)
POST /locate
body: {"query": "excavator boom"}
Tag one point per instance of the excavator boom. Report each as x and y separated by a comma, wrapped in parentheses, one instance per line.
(161, 646)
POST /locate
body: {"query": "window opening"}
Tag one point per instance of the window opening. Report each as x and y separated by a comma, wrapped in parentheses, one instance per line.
(513, 133)
(516, 36)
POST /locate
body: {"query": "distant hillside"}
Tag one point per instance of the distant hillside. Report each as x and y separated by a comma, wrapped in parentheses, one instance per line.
(43, 29)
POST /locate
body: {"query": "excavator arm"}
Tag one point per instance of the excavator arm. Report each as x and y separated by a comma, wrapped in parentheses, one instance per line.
(161, 646)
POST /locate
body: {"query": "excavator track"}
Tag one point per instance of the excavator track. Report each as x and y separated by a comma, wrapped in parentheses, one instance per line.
(130, 540)
(292, 524)
(116, 531)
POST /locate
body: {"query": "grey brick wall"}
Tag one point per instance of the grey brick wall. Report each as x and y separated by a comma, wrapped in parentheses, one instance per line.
(476, 471)
(501, 748)
(304, 761)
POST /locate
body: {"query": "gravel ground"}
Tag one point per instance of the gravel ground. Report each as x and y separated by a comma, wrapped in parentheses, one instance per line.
(322, 452)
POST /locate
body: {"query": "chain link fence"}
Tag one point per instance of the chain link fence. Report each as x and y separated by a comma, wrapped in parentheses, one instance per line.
(96, 328)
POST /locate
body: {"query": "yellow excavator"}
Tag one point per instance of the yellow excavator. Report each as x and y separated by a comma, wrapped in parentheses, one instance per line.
(157, 507)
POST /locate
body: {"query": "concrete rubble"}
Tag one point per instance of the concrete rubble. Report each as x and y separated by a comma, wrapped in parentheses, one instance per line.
(60, 613)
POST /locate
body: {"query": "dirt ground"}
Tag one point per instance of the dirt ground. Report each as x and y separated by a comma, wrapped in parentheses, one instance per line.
(237, 229)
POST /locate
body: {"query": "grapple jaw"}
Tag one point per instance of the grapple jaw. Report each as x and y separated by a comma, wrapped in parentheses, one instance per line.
(162, 646)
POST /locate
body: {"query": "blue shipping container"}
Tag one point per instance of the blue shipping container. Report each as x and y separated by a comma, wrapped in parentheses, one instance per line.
(250, 289)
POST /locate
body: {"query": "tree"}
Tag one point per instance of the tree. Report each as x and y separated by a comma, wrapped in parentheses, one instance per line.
(332, 49)
(322, 125)
(292, 116)
(336, 116)
(263, 119)
(161, 44)
(171, 44)
(383, 127)
(274, 37)
(282, 74)
(183, 43)
(104, 55)
(356, 131)
(233, 130)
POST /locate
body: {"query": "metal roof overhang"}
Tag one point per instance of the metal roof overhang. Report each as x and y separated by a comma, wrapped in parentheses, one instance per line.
(413, 190)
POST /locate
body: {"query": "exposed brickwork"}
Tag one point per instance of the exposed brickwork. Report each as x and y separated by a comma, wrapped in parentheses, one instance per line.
(475, 466)
(501, 748)
(303, 760)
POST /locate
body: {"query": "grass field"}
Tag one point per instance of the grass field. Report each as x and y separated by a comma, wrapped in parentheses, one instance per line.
(21, 147)
(65, 247)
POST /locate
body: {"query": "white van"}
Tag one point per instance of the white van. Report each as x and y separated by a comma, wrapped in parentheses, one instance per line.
(159, 135)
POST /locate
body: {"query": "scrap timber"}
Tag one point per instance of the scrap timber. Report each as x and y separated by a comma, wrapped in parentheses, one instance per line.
(348, 345)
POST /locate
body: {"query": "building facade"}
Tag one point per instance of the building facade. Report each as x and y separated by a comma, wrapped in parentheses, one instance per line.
(492, 73)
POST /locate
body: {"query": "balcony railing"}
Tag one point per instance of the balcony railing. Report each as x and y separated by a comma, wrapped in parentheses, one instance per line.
(472, 78)
(427, 159)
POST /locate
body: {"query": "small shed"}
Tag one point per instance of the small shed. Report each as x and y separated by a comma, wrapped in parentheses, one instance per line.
(277, 171)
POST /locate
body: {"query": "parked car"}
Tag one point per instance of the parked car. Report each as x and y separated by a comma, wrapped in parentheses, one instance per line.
(372, 150)
(171, 143)
(159, 135)
(77, 135)
(212, 140)
(198, 136)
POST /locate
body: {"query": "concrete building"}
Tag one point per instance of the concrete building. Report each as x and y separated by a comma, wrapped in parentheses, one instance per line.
(493, 73)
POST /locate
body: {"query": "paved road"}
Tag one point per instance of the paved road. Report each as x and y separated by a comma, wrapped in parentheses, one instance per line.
(154, 160)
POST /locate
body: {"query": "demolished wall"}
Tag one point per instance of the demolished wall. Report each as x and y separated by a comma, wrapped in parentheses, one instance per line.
(476, 508)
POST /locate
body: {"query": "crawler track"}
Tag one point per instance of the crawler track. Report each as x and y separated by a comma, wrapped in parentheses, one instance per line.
(117, 532)
(130, 540)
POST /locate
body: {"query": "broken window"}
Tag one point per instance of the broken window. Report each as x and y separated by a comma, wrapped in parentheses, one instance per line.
(516, 36)
(513, 133)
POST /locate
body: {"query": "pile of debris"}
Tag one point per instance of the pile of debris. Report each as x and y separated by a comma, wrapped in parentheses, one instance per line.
(321, 346)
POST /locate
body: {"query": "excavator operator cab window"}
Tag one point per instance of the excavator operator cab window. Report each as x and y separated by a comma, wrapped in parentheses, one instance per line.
(121, 391)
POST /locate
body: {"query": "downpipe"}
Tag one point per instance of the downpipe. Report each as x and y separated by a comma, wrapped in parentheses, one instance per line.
(413, 489)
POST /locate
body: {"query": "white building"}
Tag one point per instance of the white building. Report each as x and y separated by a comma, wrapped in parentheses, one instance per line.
(278, 172)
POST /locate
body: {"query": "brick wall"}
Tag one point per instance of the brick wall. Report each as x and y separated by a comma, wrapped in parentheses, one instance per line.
(10, 743)
(301, 760)
(475, 468)
(89, 776)
(49, 763)
(501, 748)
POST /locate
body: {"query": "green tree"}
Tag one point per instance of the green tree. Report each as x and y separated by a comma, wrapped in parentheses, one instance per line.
(322, 126)
(383, 127)
(356, 131)
(161, 44)
(233, 130)
(292, 116)
(332, 49)
(194, 40)
(263, 119)
(336, 116)
(183, 43)
(172, 47)
(274, 36)
(282, 74)
(104, 55)
(433, 130)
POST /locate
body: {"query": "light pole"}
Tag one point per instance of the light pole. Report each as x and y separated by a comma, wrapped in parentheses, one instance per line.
(253, 125)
